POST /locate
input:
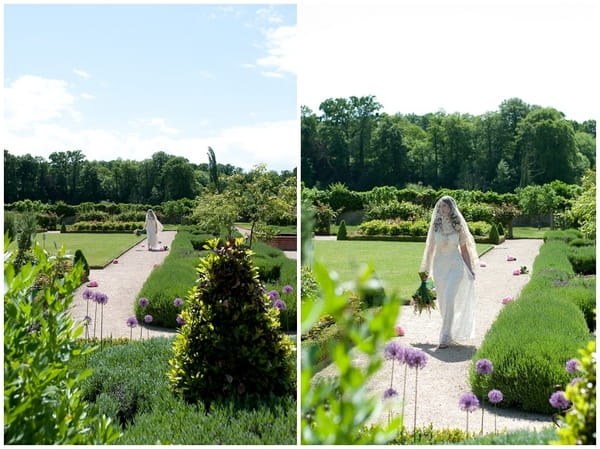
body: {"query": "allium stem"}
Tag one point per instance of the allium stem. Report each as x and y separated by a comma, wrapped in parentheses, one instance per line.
(141, 330)
(101, 324)
(467, 423)
(404, 390)
(481, 431)
(495, 430)
(95, 314)
(392, 378)
(416, 385)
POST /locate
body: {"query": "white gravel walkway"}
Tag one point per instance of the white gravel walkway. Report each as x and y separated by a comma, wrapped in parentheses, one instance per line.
(122, 282)
(445, 377)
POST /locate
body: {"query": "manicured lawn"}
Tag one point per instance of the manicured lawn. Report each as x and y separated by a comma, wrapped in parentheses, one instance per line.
(396, 263)
(99, 249)
(525, 232)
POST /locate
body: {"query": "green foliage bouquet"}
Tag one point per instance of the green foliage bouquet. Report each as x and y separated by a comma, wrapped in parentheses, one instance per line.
(424, 297)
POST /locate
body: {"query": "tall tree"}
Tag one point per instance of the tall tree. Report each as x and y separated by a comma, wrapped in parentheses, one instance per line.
(547, 143)
(213, 170)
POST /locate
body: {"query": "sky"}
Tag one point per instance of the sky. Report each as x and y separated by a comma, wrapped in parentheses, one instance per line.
(466, 56)
(128, 80)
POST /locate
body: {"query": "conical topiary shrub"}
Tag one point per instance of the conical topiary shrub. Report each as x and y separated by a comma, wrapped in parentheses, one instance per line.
(86, 268)
(500, 229)
(229, 344)
(342, 233)
(494, 236)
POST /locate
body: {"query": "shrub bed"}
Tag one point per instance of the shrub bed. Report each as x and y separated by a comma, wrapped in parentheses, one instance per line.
(417, 228)
(175, 277)
(107, 226)
(172, 279)
(136, 394)
(533, 337)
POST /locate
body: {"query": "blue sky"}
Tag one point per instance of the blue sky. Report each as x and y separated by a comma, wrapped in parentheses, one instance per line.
(467, 56)
(130, 80)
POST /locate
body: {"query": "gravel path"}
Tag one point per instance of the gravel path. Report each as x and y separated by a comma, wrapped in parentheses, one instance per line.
(122, 282)
(445, 377)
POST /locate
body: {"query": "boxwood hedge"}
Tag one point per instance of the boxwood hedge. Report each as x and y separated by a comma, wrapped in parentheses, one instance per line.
(532, 338)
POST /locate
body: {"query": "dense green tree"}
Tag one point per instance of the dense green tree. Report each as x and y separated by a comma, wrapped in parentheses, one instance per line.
(547, 144)
(178, 179)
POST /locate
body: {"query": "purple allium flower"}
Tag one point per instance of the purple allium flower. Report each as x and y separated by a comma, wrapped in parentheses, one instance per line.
(100, 298)
(143, 302)
(279, 304)
(558, 400)
(495, 396)
(575, 380)
(395, 351)
(468, 402)
(287, 289)
(178, 302)
(572, 366)
(87, 319)
(273, 294)
(88, 294)
(416, 359)
(484, 366)
(132, 321)
(180, 320)
(148, 319)
(389, 393)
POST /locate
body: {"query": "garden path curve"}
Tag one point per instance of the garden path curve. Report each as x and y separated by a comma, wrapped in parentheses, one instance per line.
(445, 377)
(122, 282)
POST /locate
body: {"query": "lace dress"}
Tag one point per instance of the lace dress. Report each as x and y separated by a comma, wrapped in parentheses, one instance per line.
(453, 281)
(454, 287)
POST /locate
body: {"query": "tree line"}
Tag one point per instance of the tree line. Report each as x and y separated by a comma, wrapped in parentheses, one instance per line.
(67, 176)
(351, 141)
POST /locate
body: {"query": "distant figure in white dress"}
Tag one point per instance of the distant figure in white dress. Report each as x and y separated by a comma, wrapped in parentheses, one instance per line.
(450, 250)
(153, 227)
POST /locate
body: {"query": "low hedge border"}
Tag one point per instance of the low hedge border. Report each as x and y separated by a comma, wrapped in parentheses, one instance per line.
(411, 238)
(532, 338)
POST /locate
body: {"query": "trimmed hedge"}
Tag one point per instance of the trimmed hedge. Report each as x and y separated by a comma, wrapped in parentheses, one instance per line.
(172, 279)
(107, 226)
(533, 337)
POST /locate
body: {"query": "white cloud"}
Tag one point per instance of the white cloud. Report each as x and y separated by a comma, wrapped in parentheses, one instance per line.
(269, 15)
(35, 109)
(274, 143)
(81, 73)
(87, 96)
(32, 99)
(282, 51)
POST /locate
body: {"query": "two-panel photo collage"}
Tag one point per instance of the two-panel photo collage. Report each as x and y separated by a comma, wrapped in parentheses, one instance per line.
(288, 223)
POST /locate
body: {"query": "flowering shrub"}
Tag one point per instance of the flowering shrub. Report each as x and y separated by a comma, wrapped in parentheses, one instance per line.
(43, 402)
(230, 344)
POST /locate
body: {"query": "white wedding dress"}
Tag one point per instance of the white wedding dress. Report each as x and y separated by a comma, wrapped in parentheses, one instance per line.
(454, 287)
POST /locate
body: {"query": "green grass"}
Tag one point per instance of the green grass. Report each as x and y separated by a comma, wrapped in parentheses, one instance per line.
(395, 263)
(525, 232)
(99, 249)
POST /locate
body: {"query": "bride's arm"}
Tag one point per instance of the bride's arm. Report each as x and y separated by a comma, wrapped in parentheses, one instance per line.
(428, 253)
(465, 255)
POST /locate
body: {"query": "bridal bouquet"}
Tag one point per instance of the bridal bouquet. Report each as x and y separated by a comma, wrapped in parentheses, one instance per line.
(424, 297)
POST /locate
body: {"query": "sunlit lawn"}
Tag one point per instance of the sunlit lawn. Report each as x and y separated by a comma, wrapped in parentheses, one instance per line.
(524, 232)
(395, 263)
(99, 249)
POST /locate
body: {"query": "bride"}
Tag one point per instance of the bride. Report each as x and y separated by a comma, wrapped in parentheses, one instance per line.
(152, 227)
(450, 251)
